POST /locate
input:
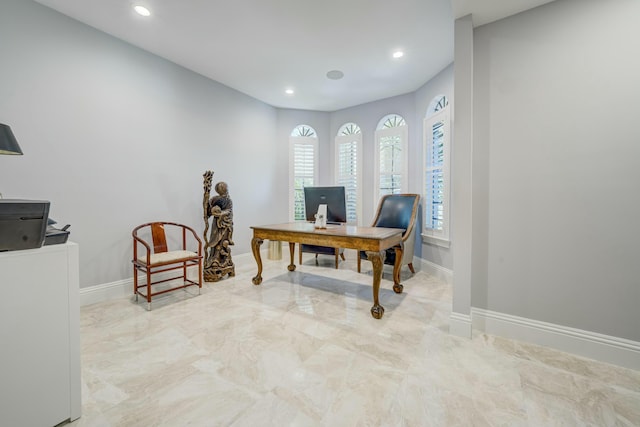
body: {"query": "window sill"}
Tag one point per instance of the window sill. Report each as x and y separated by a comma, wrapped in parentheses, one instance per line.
(436, 241)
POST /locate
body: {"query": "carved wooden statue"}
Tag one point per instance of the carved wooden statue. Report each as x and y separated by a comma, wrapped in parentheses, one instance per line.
(217, 249)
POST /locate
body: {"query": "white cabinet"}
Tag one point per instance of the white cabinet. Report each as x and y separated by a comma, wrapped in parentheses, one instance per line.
(39, 336)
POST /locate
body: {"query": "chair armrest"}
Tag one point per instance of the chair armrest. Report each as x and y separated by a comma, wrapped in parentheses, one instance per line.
(186, 228)
(137, 240)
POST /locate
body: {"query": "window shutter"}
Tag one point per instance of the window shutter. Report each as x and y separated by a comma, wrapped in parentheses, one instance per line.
(304, 172)
(391, 162)
(348, 176)
(435, 177)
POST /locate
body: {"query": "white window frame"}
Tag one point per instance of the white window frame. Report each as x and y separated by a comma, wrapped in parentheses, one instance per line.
(348, 139)
(430, 235)
(294, 141)
(403, 133)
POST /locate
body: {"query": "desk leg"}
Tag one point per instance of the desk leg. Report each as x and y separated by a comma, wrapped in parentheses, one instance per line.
(255, 247)
(292, 249)
(397, 287)
(376, 259)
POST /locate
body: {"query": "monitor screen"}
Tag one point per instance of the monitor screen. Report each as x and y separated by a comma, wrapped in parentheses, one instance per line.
(333, 197)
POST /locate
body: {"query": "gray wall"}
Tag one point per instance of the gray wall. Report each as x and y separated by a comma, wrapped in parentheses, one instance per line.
(115, 137)
(556, 118)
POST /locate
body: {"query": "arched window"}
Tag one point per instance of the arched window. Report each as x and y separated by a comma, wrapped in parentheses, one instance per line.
(391, 156)
(436, 142)
(349, 168)
(438, 103)
(304, 130)
(303, 168)
(391, 121)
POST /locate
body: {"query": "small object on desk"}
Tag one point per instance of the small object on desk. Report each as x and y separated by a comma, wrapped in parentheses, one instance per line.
(321, 216)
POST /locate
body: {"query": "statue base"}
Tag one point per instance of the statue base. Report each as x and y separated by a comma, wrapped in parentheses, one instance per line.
(214, 274)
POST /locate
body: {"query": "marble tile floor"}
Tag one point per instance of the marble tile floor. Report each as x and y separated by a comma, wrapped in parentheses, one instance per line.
(302, 349)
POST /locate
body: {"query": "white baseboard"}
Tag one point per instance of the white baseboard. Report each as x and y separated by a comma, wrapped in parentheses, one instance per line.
(106, 292)
(434, 269)
(460, 325)
(122, 288)
(606, 348)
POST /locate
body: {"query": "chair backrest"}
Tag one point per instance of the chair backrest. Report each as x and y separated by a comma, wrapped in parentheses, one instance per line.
(159, 238)
(397, 211)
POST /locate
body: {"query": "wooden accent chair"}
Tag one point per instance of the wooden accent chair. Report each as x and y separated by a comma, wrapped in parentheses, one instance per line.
(162, 260)
(397, 211)
(321, 250)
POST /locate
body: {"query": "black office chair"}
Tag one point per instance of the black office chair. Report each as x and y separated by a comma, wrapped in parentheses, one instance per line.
(322, 250)
(397, 211)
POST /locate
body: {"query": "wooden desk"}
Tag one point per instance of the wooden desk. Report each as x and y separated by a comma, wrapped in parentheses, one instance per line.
(373, 240)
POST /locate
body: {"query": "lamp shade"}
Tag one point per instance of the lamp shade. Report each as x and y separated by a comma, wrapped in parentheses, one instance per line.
(8, 143)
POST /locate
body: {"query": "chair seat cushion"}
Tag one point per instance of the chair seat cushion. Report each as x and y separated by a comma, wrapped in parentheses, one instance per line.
(168, 257)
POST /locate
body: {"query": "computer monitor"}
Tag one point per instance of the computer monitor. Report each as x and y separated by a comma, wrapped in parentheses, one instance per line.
(333, 197)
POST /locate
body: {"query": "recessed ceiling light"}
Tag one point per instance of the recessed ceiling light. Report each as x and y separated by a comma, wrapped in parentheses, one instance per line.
(398, 54)
(289, 91)
(335, 74)
(141, 10)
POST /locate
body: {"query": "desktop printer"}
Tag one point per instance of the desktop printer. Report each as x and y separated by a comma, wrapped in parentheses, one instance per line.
(23, 223)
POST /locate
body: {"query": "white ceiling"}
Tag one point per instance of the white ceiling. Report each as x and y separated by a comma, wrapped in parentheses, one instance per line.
(262, 47)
